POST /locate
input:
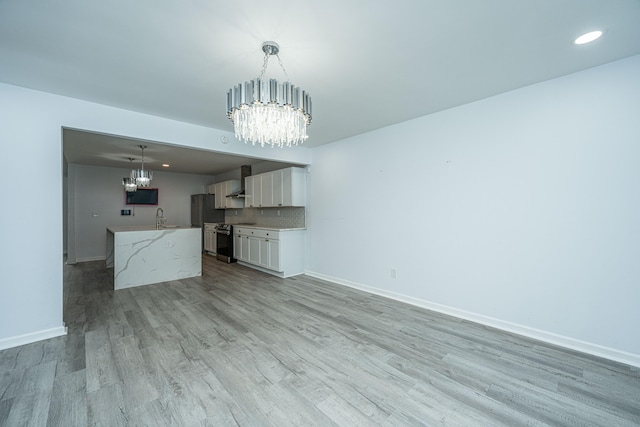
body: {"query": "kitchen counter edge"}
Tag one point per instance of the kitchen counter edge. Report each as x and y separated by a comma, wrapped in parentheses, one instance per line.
(266, 227)
(126, 228)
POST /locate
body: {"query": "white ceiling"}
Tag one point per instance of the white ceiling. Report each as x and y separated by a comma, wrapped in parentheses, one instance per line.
(366, 64)
(113, 151)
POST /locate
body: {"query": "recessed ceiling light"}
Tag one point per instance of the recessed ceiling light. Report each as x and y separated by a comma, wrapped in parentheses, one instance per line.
(165, 165)
(588, 37)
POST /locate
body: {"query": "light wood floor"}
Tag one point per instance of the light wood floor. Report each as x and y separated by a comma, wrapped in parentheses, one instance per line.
(239, 347)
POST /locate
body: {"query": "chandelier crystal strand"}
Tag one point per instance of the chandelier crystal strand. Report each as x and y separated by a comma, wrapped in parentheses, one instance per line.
(143, 177)
(268, 112)
(129, 182)
(270, 124)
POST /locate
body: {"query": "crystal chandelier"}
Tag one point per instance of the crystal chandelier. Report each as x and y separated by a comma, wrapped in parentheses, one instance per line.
(268, 112)
(129, 182)
(141, 176)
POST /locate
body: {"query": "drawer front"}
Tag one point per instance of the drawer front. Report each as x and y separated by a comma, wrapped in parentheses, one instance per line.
(257, 232)
(267, 234)
(240, 231)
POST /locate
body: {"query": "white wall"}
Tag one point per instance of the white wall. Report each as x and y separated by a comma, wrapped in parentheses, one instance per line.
(99, 197)
(31, 135)
(522, 210)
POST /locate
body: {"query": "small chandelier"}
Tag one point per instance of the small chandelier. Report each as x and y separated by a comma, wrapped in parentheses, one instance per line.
(141, 176)
(268, 112)
(129, 182)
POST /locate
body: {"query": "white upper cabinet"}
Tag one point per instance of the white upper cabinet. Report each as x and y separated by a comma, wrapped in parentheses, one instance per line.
(294, 187)
(221, 189)
(266, 189)
(277, 188)
(281, 188)
(248, 191)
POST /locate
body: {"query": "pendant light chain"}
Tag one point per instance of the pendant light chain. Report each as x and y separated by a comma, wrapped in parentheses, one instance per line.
(282, 66)
(265, 64)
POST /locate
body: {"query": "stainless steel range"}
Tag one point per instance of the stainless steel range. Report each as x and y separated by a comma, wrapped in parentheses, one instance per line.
(224, 245)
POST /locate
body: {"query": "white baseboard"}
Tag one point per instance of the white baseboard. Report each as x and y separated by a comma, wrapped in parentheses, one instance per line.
(548, 337)
(32, 337)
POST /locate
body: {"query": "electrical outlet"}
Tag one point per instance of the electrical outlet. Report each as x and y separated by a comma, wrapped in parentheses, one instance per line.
(393, 273)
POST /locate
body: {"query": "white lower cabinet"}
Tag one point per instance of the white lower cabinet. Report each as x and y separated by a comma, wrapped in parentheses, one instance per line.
(279, 252)
(237, 247)
(274, 255)
(210, 238)
(254, 250)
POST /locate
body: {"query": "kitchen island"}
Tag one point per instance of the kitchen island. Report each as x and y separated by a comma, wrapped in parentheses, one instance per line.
(142, 255)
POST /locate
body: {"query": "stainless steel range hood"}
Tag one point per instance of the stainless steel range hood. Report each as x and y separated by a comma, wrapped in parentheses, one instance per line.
(245, 171)
(236, 195)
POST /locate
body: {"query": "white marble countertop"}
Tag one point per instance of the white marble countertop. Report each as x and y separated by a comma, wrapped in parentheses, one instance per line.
(267, 227)
(123, 228)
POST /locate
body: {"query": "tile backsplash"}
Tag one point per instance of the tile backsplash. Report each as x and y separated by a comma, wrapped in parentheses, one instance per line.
(268, 217)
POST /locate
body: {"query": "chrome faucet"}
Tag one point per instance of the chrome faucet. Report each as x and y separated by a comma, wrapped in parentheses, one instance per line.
(160, 219)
